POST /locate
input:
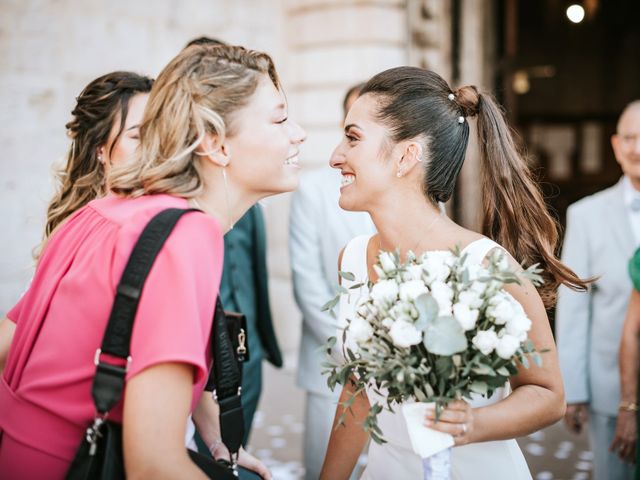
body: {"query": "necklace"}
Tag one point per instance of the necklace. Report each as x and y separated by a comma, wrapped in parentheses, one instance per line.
(226, 197)
(414, 249)
(196, 204)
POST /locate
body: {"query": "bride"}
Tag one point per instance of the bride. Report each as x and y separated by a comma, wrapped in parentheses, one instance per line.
(405, 141)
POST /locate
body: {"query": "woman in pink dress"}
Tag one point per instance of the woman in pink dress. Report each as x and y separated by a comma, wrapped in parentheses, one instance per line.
(215, 136)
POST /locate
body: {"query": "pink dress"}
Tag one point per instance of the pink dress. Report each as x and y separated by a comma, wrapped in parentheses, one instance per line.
(45, 392)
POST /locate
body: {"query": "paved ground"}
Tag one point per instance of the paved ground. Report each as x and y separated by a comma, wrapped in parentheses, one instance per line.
(552, 453)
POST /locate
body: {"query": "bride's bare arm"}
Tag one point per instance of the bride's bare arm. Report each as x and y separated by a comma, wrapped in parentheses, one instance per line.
(347, 441)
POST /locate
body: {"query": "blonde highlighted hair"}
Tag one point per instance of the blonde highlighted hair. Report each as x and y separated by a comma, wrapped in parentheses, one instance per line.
(195, 94)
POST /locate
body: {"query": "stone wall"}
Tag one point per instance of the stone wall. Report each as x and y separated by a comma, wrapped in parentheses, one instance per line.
(50, 49)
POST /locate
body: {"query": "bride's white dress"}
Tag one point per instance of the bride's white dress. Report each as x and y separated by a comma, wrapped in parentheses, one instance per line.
(498, 460)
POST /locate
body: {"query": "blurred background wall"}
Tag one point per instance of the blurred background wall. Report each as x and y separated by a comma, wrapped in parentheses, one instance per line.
(562, 83)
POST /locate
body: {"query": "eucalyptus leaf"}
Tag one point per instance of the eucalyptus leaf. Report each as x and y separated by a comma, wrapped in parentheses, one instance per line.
(427, 310)
(444, 336)
(330, 304)
(347, 276)
(503, 371)
(479, 387)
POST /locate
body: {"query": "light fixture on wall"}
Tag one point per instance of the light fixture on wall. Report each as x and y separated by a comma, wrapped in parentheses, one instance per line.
(575, 13)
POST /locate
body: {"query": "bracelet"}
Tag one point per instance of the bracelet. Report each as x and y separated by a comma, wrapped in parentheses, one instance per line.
(628, 406)
(214, 446)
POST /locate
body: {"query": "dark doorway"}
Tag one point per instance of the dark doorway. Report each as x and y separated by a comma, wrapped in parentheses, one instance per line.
(564, 85)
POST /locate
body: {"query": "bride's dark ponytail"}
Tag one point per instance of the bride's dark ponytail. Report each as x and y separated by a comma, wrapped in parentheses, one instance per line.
(417, 103)
(514, 212)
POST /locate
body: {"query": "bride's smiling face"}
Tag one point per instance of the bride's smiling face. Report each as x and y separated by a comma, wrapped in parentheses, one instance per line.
(363, 157)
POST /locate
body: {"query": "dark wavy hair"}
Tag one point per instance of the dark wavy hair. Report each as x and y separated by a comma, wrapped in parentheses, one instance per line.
(82, 178)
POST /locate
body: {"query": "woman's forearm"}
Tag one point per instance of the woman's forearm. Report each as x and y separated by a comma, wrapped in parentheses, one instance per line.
(628, 356)
(207, 420)
(347, 441)
(528, 409)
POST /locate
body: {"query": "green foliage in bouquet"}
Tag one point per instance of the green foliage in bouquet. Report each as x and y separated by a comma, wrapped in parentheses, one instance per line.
(431, 329)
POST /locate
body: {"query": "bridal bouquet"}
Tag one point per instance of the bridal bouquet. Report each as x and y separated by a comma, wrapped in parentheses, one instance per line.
(432, 329)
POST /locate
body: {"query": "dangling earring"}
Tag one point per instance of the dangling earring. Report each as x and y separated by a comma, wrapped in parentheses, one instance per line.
(226, 194)
(399, 174)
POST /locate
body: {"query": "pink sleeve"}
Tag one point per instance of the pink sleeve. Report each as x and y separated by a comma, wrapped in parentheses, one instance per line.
(175, 313)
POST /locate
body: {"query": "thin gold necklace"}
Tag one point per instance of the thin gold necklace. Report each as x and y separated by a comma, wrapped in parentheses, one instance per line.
(196, 204)
(414, 249)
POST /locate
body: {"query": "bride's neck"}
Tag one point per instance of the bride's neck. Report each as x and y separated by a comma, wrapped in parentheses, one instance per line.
(405, 223)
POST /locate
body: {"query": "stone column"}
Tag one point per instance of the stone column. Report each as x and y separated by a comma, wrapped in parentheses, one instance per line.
(331, 45)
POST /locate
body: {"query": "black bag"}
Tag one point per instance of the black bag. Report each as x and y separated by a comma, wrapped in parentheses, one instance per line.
(100, 455)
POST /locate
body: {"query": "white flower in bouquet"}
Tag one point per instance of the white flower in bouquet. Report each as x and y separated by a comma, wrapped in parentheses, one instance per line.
(387, 262)
(471, 298)
(485, 341)
(387, 322)
(518, 326)
(384, 292)
(443, 294)
(437, 265)
(502, 307)
(466, 317)
(359, 330)
(404, 334)
(507, 346)
(412, 289)
(413, 272)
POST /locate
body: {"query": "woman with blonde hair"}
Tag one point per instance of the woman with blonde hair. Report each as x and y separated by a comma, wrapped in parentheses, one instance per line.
(215, 136)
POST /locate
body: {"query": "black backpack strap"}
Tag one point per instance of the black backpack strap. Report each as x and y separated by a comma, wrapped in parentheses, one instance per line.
(227, 380)
(108, 382)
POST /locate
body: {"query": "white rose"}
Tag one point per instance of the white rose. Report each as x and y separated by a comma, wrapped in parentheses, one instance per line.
(478, 287)
(387, 322)
(518, 326)
(384, 291)
(502, 307)
(443, 294)
(404, 334)
(507, 346)
(465, 316)
(413, 272)
(412, 289)
(387, 262)
(485, 341)
(470, 298)
(437, 265)
(359, 330)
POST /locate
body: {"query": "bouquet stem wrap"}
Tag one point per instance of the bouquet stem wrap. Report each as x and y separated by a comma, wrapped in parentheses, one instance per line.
(434, 447)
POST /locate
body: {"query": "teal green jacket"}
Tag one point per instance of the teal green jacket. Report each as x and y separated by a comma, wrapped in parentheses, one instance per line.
(244, 286)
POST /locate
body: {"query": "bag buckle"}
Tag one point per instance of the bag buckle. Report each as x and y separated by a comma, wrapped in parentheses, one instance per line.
(215, 394)
(97, 362)
(242, 339)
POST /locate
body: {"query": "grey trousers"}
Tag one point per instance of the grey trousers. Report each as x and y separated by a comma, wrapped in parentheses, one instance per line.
(606, 465)
(318, 421)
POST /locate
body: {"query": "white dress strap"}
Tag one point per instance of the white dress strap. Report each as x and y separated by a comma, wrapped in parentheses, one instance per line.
(477, 250)
(354, 260)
